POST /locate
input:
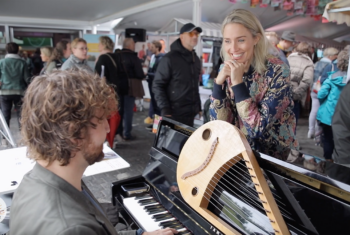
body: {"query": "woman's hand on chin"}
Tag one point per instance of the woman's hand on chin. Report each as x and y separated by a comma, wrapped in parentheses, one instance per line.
(224, 73)
(236, 71)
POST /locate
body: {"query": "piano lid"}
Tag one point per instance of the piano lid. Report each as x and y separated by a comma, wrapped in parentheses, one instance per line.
(311, 170)
(300, 174)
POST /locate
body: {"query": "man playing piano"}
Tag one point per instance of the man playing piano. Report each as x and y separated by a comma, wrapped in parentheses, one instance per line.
(64, 125)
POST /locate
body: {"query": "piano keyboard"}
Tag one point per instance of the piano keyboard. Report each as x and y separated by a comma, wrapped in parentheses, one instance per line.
(151, 215)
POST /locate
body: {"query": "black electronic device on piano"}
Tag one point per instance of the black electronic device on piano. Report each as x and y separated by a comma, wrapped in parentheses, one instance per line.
(312, 195)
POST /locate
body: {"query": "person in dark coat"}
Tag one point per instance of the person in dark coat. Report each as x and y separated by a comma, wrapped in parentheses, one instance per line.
(175, 85)
(156, 47)
(37, 63)
(129, 67)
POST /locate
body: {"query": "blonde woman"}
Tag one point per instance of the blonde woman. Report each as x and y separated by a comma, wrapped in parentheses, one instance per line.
(78, 58)
(302, 74)
(252, 90)
(45, 54)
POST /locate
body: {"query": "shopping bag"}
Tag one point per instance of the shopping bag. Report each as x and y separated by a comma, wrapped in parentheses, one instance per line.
(113, 122)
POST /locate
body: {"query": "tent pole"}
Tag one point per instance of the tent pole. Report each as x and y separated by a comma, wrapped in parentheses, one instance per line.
(197, 19)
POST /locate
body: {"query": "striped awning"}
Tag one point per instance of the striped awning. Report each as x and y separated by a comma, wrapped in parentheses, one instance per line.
(209, 29)
(338, 11)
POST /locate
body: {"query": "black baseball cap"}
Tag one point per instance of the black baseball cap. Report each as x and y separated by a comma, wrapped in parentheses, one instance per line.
(189, 27)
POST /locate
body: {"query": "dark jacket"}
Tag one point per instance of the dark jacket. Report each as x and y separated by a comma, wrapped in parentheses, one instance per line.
(45, 204)
(154, 65)
(175, 85)
(341, 128)
(129, 66)
(37, 64)
(111, 72)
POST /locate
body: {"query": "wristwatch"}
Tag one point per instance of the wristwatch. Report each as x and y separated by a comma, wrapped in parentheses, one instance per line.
(139, 232)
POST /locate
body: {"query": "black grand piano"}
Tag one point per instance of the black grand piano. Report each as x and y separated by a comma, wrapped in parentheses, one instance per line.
(313, 195)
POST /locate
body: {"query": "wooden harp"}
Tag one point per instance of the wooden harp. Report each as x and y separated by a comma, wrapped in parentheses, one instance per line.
(206, 156)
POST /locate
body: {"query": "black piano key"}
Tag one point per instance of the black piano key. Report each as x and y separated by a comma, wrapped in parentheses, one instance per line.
(177, 227)
(168, 223)
(147, 202)
(184, 233)
(146, 196)
(174, 226)
(153, 207)
(155, 211)
(161, 217)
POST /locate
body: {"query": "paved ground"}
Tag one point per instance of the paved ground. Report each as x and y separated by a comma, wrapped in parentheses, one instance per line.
(136, 153)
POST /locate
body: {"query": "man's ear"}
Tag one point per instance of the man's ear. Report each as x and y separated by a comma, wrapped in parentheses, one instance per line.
(181, 37)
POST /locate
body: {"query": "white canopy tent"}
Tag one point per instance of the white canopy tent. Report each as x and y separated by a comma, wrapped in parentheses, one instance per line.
(209, 29)
(214, 11)
(338, 11)
(152, 15)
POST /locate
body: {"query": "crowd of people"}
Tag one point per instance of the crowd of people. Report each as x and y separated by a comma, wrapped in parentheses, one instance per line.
(261, 87)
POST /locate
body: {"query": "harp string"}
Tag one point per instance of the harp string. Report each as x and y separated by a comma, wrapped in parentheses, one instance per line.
(248, 179)
(214, 185)
(252, 194)
(256, 201)
(245, 172)
(208, 197)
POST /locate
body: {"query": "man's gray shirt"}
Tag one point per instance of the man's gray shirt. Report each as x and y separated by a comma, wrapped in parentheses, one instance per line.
(46, 204)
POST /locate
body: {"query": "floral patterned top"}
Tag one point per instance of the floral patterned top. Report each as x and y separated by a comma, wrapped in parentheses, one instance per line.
(261, 107)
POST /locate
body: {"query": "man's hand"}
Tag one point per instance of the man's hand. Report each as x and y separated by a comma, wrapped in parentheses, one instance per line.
(167, 231)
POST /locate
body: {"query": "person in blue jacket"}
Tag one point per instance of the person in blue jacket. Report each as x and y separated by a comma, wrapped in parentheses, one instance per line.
(328, 96)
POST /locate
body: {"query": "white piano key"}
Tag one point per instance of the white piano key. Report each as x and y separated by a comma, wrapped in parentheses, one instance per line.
(141, 216)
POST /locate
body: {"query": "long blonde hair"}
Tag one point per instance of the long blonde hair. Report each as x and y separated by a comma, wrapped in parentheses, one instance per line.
(248, 20)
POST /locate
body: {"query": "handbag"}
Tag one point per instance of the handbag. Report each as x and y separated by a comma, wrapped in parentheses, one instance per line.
(317, 85)
(135, 85)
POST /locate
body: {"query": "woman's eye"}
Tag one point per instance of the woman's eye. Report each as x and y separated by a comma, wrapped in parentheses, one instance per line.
(227, 41)
(241, 40)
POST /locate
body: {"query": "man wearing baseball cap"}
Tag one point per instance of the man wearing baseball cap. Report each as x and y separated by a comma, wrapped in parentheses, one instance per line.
(175, 85)
(287, 41)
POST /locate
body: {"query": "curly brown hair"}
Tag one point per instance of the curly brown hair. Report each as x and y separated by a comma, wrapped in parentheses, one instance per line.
(58, 108)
